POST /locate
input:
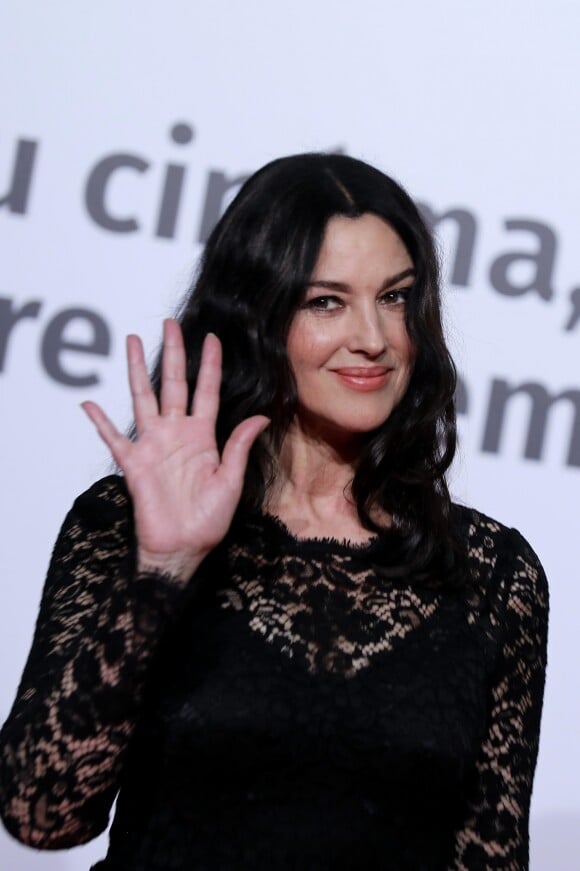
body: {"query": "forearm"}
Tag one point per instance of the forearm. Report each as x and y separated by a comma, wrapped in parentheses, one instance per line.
(494, 834)
(98, 629)
(63, 744)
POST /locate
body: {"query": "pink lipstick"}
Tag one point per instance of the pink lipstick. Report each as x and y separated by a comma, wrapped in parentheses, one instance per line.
(363, 378)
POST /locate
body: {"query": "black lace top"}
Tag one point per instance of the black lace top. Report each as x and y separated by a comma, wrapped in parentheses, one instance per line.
(292, 709)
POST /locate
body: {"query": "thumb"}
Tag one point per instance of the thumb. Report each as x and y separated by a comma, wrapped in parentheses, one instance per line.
(237, 448)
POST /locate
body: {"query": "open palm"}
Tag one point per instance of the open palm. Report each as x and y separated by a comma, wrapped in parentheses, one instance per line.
(184, 493)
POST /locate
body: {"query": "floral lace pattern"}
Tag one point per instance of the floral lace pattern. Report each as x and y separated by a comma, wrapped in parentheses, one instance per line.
(339, 586)
(405, 710)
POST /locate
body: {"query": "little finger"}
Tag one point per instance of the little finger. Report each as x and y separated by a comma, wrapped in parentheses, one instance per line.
(115, 441)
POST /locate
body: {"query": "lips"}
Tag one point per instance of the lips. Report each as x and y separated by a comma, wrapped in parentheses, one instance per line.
(362, 371)
(363, 378)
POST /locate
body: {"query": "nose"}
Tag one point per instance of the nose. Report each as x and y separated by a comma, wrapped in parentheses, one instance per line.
(367, 331)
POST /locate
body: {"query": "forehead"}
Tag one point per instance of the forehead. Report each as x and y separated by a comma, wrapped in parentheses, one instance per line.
(364, 246)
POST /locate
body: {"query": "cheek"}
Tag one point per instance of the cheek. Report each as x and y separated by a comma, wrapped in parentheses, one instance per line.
(308, 345)
(410, 353)
(400, 342)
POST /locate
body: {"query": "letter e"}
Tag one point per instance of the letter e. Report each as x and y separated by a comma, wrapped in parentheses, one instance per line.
(54, 343)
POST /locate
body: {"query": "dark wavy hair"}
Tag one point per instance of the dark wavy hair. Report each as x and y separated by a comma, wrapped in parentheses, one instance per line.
(252, 277)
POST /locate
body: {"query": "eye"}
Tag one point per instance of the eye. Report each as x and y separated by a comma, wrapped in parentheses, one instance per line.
(396, 298)
(323, 303)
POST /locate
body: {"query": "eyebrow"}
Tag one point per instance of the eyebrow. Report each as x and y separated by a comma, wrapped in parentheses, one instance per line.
(342, 286)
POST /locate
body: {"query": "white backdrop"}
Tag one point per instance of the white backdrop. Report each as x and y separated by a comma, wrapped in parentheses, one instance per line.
(473, 106)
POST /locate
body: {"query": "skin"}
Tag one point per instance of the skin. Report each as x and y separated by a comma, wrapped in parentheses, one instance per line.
(351, 324)
(185, 495)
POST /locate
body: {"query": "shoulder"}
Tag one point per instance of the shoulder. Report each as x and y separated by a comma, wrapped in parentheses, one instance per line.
(102, 514)
(503, 561)
(106, 500)
(95, 537)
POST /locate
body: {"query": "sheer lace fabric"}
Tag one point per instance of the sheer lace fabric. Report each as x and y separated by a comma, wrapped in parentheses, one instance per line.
(292, 709)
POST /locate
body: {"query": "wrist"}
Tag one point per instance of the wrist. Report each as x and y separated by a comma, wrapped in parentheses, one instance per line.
(177, 566)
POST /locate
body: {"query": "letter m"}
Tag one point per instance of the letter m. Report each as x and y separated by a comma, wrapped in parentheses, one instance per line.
(466, 225)
(541, 402)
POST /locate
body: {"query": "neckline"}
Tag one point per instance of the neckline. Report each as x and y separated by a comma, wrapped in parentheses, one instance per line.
(275, 524)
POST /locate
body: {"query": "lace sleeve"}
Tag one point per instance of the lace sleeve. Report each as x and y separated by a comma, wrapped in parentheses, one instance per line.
(62, 746)
(495, 834)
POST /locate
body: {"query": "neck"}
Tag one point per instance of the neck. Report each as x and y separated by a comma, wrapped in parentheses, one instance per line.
(314, 474)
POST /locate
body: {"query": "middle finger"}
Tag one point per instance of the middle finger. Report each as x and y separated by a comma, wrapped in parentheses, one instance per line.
(173, 369)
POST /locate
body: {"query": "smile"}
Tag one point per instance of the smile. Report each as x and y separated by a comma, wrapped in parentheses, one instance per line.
(365, 378)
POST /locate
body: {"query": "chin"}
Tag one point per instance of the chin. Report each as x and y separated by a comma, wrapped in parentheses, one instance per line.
(361, 423)
(345, 429)
(338, 423)
(365, 427)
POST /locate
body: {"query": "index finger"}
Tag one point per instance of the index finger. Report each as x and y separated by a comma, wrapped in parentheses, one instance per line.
(206, 396)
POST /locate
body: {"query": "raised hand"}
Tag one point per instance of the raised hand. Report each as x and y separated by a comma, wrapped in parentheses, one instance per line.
(184, 494)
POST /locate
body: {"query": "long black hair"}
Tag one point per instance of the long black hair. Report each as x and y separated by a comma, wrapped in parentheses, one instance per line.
(252, 277)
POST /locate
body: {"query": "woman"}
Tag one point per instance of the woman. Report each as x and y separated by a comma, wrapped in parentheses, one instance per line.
(274, 635)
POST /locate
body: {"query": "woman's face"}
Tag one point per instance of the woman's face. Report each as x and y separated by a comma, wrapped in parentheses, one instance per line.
(348, 344)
